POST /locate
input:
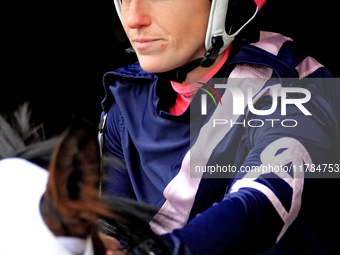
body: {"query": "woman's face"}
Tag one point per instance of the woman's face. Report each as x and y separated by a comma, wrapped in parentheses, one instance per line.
(166, 34)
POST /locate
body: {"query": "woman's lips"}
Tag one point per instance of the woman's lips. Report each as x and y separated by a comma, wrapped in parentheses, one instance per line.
(143, 44)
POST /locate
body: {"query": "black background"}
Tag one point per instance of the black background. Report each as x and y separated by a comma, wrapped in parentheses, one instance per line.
(54, 53)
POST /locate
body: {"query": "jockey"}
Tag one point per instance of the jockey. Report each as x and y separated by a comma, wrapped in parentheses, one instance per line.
(230, 131)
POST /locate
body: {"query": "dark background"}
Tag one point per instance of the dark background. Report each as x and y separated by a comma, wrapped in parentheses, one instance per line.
(54, 54)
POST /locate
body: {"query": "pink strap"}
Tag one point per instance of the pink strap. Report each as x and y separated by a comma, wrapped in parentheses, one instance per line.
(186, 92)
(260, 3)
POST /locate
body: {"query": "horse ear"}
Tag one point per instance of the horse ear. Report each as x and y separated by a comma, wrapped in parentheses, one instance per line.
(75, 162)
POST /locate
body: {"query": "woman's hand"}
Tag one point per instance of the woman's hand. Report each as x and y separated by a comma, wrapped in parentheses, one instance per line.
(112, 246)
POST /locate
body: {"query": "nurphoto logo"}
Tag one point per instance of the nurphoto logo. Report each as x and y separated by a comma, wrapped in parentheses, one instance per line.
(239, 100)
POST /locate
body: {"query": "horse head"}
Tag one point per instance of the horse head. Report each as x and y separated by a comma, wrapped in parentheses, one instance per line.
(71, 205)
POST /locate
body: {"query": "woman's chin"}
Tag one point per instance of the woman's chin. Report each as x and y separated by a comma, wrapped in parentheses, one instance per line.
(156, 64)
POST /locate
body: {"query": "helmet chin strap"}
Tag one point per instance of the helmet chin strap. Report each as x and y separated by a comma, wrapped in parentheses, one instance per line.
(219, 41)
(180, 74)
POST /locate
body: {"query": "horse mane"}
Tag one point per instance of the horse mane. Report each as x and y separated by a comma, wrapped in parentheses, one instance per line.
(19, 137)
(125, 219)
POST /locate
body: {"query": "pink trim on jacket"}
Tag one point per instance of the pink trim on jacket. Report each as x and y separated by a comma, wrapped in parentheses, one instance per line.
(271, 42)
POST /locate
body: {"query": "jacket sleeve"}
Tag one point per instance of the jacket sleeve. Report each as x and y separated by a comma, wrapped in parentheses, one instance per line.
(261, 205)
(118, 181)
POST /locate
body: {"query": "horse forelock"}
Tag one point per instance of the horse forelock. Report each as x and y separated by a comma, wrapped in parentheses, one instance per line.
(20, 138)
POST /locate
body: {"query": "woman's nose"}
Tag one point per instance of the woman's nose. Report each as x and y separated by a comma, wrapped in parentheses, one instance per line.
(137, 14)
